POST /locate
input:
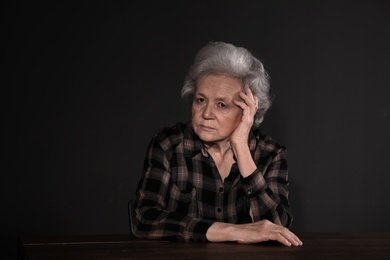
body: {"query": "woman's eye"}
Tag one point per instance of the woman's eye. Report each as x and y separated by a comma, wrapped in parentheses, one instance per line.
(200, 100)
(222, 105)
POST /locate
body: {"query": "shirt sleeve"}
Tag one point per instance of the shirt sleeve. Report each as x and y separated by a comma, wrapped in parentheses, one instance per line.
(152, 219)
(267, 190)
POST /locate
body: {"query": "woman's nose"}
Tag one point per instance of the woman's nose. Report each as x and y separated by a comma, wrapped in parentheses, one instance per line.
(208, 112)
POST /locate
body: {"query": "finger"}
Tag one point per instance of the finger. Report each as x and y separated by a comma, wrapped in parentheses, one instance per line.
(256, 103)
(249, 98)
(246, 110)
(249, 103)
(292, 238)
(282, 239)
(249, 93)
(295, 240)
(242, 104)
(245, 95)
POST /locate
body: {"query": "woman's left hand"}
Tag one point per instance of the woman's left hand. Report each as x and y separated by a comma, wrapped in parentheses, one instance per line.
(249, 106)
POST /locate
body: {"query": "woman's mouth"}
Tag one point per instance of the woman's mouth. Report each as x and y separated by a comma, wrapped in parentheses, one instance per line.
(206, 128)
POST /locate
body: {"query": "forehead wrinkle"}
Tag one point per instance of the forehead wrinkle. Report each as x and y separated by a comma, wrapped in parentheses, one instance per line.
(224, 97)
(218, 87)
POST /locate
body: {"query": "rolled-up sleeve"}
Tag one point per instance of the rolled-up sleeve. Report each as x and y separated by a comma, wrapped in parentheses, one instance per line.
(267, 190)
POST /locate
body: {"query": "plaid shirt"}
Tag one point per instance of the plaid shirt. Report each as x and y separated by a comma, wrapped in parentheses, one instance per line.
(181, 193)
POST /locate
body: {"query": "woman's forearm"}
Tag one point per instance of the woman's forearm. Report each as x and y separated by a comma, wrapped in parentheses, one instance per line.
(244, 159)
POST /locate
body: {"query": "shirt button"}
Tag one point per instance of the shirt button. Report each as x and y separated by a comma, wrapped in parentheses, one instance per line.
(249, 192)
(220, 189)
(219, 210)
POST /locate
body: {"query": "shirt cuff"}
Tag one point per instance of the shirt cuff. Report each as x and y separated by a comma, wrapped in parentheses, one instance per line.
(254, 184)
(198, 230)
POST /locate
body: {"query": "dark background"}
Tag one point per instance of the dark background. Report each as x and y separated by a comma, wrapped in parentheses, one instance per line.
(85, 85)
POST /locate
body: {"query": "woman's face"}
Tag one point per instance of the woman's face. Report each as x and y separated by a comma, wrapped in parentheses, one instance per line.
(214, 114)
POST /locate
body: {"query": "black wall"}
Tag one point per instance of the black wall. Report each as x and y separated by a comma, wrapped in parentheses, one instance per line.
(85, 85)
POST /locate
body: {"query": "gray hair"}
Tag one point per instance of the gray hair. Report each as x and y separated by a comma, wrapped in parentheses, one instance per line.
(227, 59)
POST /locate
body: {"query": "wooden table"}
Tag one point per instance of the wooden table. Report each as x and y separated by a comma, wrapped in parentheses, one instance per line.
(316, 246)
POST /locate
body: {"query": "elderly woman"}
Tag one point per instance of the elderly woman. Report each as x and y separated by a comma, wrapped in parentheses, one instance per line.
(217, 178)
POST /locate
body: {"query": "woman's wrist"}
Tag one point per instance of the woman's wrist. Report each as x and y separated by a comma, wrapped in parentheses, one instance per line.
(244, 159)
(222, 232)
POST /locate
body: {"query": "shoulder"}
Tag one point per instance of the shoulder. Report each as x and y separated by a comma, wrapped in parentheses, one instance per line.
(266, 143)
(169, 137)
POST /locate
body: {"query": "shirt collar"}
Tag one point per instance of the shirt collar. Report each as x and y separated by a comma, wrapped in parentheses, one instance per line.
(192, 144)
